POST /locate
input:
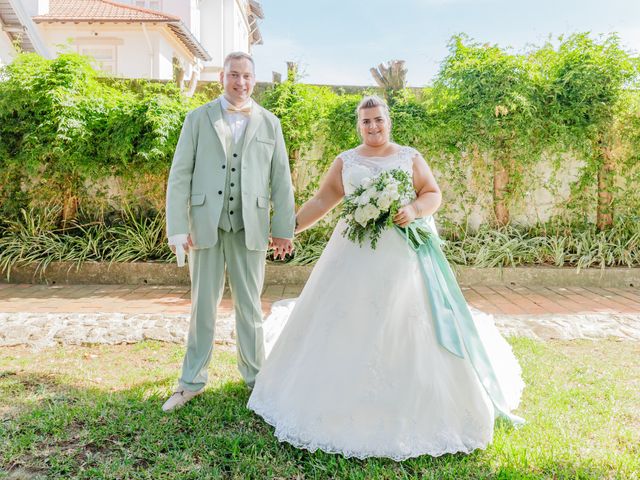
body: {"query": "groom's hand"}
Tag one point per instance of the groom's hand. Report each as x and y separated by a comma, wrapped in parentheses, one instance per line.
(186, 245)
(281, 247)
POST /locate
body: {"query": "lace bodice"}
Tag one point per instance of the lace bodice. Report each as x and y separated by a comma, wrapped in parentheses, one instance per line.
(356, 168)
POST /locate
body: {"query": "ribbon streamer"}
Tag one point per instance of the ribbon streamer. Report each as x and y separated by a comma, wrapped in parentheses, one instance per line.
(455, 328)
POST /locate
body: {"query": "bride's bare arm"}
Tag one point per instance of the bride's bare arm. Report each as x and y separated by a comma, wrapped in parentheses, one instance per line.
(427, 191)
(326, 198)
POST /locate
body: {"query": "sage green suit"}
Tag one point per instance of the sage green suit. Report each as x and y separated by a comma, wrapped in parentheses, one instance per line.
(210, 176)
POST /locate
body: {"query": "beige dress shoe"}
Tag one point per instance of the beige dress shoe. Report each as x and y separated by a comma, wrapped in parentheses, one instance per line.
(179, 398)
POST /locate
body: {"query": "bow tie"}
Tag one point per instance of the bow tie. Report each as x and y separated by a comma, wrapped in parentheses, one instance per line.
(244, 110)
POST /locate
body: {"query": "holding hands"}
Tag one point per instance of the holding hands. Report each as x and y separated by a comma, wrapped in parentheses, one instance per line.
(180, 245)
(281, 247)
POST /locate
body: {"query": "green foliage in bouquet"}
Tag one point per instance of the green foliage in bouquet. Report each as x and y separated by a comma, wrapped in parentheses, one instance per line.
(416, 233)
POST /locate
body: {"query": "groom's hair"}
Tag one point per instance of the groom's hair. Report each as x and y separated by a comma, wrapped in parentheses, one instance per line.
(238, 56)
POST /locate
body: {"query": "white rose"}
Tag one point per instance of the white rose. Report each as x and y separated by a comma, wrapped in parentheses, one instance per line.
(367, 182)
(364, 198)
(370, 212)
(385, 201)
(360, 216)
(374, 194)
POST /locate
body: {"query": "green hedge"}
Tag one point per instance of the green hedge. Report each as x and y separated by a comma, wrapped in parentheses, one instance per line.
(96, 150)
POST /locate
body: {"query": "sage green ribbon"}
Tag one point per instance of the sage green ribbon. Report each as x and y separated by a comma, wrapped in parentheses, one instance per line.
(454, 325)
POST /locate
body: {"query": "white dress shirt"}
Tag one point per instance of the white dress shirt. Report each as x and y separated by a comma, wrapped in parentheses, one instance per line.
(237, 122)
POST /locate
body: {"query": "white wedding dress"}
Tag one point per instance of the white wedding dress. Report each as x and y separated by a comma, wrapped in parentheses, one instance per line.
(354, 365)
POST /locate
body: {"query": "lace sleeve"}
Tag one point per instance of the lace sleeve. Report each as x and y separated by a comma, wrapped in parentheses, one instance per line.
(406, 158)
(348, 161)
(347, 156)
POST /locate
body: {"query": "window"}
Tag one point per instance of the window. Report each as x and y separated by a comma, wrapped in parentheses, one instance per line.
(150, 4)
(105, 56)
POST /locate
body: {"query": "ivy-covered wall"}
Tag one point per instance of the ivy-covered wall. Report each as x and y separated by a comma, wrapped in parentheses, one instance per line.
(550, 134)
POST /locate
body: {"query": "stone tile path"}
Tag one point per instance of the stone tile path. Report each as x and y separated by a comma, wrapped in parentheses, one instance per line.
(42, 315)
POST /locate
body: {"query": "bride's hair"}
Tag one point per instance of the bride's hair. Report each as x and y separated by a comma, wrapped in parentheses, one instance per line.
(372, 101)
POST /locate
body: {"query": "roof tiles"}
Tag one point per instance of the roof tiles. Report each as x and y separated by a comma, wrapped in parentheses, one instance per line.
(100, 11)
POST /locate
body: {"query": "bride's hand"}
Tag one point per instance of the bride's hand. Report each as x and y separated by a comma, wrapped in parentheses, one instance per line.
(405, 216)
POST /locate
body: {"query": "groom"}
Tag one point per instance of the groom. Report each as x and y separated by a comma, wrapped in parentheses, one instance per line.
(229, 169)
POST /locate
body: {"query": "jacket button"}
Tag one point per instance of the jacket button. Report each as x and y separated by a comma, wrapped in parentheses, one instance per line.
(233, 184)
(231, 212)
(233, 169)
(219, 192)
(231, 199)
(224, 166)
(235, 154)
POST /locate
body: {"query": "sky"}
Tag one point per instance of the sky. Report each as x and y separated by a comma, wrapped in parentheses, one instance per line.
(336, 42)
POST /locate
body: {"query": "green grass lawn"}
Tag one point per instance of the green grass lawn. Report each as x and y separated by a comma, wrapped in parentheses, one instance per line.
(94, 412)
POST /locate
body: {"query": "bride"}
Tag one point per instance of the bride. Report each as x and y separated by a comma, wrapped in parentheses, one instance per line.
(379, 356)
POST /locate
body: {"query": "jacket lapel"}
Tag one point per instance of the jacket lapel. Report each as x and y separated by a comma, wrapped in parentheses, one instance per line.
(217, 122)
(252, 127)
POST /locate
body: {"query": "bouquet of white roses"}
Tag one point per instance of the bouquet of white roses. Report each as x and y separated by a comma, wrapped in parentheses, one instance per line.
(371, 207)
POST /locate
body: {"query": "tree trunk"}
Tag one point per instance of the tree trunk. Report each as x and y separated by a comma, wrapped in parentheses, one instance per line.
(294, 165)
(178, 73)
(69, 209)
(606, 180)
(193, 83)
(292, 71)
(500, 186)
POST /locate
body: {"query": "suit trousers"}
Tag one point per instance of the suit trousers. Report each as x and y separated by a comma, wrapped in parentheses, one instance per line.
(246, 277)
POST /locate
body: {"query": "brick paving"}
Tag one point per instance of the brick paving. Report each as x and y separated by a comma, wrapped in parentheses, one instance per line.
(41, 315)
(133, 299)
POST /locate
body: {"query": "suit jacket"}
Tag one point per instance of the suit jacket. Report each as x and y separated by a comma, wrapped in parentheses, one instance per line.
(196, 178)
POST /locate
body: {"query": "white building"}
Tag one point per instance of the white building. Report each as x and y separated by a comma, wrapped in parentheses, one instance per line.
(7, 51)
(221, 26)
(149, 38)
(17, 31)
